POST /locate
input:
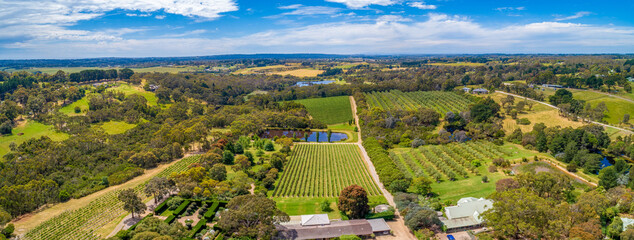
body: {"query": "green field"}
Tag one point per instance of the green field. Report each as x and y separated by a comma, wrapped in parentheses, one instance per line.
(31, 130)
(330, 110)
(323, 170)
(127, 89)
(114, 127)
(312, 205)
(616, 107)
(441, 102)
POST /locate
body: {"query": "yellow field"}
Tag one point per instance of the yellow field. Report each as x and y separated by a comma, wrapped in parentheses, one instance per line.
(550, 118)
(300, 72)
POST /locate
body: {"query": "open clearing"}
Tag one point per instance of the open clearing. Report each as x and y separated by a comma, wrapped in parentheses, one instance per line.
(330, 110)
(115, 127)
(323, 170)
(616, 107)
(31, 129)
(300, 72)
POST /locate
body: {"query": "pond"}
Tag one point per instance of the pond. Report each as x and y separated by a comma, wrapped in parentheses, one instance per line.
(303, 84)
(312, 136)
(605, 163)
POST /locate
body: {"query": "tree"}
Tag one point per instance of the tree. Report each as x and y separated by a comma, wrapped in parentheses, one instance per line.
(125, 73)
(227, 157)
(615, 228)
(608, 177)
(400, 185)
(131, 201)
(422, 218)
(484, 110)
(353, 201)
(5, 217)
(626, 118)
(627, 234)
(251, 216)
(422, 185)
(158, 187)
(329, 134)
(218, 172)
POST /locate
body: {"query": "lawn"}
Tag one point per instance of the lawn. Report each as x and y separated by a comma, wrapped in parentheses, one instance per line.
(31, 129)
(70, 108)
(329, 110)
(304, 206)
(616, 107)
(127, 89)
(469, 187)
(115, 127)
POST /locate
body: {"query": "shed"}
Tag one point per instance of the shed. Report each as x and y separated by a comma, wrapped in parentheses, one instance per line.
(480, 91)
(466, 214)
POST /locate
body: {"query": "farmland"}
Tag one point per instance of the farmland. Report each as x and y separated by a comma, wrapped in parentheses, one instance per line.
(441, 102)
(84, 222)
(330, 110)
(323, 170)
(445, 162)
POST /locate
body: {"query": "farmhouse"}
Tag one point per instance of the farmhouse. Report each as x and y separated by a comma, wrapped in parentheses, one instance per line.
(552, 86)
(480, 91)
(466, 89)
(466, 215)
(319, 227)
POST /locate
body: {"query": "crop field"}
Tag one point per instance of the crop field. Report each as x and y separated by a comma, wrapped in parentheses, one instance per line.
(441, 102)
(84, 222)
(330, 110)
(323, 170)
(445, 162)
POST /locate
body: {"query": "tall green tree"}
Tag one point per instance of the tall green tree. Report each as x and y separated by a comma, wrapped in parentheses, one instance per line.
(251, 216)
(131, 202)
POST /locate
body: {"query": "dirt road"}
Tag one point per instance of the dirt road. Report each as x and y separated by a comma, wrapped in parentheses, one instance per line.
(399, 230)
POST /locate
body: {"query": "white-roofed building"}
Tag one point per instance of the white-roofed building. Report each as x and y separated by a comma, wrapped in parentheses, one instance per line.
(316, 219)
(466, 214)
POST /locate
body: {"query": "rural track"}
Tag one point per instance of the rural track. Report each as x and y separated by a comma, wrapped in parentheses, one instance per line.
(399, 230)
(555, 107)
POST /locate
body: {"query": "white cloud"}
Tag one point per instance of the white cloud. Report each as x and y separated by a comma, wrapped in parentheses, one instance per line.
(302, 10)
(51, 19)
(389, 34)
(502, 9)
(364, 3)
(577, 15)
(422, 5)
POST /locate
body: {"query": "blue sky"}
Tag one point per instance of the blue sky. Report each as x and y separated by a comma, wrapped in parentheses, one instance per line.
(146, 28)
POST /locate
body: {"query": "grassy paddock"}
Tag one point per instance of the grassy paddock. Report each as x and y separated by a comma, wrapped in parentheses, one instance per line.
(305, 205)
(115, 127)
(31, 129)
(330, 110)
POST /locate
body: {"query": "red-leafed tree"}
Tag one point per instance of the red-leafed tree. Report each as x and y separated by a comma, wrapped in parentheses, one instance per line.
(353, 201)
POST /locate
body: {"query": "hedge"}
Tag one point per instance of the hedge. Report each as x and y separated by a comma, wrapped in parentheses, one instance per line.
(198, 227)
(160, 208)
(182, 207)
(220, 236)
(385, 167)
(387, 215)
(170, 219)
(212, 211)
(137, 223)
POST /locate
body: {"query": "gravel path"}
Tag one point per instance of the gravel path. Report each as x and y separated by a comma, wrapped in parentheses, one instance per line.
(399, 230)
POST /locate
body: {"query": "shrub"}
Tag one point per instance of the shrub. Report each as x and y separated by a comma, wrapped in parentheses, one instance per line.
(501, 162)
(325, 206)
(170, 219)
(387, 215)
(77, 109)
(485, 179)
(174, 202)
(523, 121)
(160, 208)
(212, 211)
(572, 167)
(493, 169)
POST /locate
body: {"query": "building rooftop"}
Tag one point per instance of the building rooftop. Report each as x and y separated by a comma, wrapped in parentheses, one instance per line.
(379, 225)
(332, 230)
(316, 219)
(466, 212)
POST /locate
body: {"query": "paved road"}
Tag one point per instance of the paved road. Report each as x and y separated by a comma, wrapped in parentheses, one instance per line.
(399, 230)
(555, 107)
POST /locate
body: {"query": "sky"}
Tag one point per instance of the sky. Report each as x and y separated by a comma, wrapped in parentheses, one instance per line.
(62, 29)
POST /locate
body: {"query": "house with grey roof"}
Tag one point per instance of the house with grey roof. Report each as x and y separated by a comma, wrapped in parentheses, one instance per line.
(318, 226)
(480, 91)
(466, 214)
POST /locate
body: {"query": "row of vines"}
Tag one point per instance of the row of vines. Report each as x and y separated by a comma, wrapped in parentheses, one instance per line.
(323, 170)
(445, 162)
(441, 102)
(82, 224)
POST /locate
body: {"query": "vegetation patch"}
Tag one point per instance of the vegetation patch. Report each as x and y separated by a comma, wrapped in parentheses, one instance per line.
(115, 127)
(441, 102)
(330, 110)
(31, 129)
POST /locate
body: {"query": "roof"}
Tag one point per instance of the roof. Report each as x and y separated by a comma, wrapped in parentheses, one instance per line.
(379, 225)
(480, 90)
(317, 219)
(467, 212)
(381, 208)
(334, 229)
(627, 222)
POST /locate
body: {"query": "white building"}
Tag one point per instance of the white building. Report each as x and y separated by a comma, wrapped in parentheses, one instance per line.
(466, 214)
